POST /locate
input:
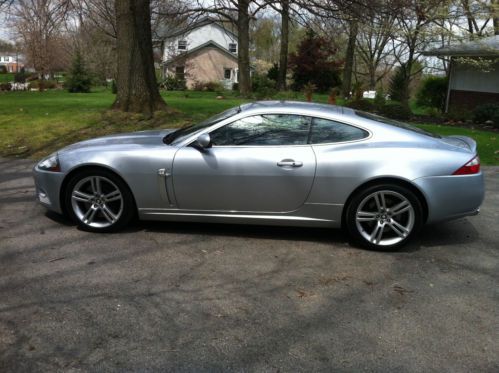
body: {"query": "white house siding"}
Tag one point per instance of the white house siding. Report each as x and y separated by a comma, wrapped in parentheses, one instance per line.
(468, 78)
(197, 37)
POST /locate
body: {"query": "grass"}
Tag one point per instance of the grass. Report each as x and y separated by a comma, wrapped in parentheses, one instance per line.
(34, 124)
(6, 78)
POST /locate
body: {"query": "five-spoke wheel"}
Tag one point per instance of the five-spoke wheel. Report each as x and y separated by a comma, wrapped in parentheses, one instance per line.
(383, 217)
(99, 201)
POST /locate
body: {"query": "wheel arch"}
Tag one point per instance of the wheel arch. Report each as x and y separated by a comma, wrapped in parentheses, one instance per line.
(388, 180)
(86, 167)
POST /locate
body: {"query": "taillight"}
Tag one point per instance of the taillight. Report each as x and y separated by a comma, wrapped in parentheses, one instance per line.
(470, 168)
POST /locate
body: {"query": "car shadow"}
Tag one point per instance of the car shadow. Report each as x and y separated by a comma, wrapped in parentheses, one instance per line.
(456, 232)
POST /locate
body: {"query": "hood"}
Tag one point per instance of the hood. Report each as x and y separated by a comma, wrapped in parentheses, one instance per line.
(154, 137)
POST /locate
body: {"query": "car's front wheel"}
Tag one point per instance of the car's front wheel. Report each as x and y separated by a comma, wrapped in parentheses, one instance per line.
(99, 201)
(384, 217)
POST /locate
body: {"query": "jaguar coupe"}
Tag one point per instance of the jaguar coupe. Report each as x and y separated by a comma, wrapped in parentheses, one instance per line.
(271, 163)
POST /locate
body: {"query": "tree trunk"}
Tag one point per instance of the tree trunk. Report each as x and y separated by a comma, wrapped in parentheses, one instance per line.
(283, 58)
(243, 20)
(347, 71)
(136, 79)
(495, 15)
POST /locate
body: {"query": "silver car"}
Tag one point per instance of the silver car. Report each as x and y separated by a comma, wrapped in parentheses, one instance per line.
(271, 163)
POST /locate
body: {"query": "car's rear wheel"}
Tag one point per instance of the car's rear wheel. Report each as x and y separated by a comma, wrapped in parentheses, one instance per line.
(384, 217)
(99, 201)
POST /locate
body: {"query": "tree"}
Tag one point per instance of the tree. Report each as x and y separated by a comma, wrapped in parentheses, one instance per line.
(40, 24)
(136, 79)
(314, 63)
(284, 48)
(79, 80)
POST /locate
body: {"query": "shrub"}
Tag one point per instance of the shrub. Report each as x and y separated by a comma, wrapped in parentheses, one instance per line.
(363, 104)
(235, 86)
(47, 84)
(172, 83)
(273, 73)
(458, 114)
(398, 86)
(432, 93)
(3, 69)
(114, 87)
(314, 62)
(212, 86)
(379, 99)
(20, 76)
(485, 112)
(5, 87)
(396, 110)
(262, 86)
(495, 119)
(79, 79)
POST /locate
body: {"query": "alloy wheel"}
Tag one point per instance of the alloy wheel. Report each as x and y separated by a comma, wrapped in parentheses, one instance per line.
(97, 202)
(385, 218)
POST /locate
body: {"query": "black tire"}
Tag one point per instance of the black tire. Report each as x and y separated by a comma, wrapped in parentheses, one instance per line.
(383, 222)
(109, 180)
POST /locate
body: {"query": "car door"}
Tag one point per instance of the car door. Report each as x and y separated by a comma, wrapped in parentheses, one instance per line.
(261, 163)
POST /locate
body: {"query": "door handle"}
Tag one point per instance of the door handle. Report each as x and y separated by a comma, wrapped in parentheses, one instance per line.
(289, 163)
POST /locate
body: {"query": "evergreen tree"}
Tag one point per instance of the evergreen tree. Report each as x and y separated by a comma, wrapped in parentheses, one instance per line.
(398, 89)
(314, 63)
(79, 80)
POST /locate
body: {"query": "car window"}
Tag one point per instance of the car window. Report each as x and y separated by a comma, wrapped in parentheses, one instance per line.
(184, 132)
(395, 123)
(327, 131)
(268, 129)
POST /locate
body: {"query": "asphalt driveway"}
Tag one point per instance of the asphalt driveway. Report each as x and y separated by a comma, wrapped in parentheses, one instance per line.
(192, 297)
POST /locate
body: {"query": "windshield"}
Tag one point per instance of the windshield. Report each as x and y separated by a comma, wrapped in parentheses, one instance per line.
(395, 123)
(184, 132)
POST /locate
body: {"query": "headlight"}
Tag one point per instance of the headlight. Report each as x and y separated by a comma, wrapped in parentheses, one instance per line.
(51, 163)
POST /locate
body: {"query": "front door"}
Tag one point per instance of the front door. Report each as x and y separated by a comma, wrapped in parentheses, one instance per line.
(257, 164)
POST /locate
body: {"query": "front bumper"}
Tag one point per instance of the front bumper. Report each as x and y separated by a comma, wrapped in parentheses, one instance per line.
(452, 197)
(48, 187)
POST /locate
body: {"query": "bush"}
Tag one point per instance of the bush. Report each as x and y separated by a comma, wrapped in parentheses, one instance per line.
(486, 112)
(495, 119)
(273, 73)
(172, 83)
(114, 87)
(3, 69)
(212, 86)
(5, 87)
(262, 86)
(461, 114)
(432, 93)
(235, 86)
(20, 76)
(379, 99)
(79, 79)
(398, 88)
(47, 84)
(363, 104)
(396, 110)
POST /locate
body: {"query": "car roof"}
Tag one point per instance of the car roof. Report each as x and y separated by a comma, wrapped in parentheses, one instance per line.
(297, 105)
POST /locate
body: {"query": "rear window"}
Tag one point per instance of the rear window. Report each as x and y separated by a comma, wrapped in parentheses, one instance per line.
(395, 123)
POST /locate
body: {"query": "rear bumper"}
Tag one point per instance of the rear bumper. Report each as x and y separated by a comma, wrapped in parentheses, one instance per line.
(48, 185)
(452, 197)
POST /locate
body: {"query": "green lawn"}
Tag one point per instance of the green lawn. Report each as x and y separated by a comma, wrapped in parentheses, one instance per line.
(6, 78)
(33, 124)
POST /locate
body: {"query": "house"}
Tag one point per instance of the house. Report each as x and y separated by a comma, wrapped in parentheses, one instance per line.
(12, 63)
(474, 73)
(205, 51)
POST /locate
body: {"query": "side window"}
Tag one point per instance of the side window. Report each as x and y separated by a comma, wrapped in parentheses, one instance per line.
(268, 129)
(326, 131)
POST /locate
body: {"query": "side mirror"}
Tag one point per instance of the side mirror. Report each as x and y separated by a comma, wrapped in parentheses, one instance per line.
(203, 141)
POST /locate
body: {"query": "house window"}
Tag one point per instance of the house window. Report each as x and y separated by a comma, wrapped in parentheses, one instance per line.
(227, 73)
(232, 47)
(180, 72)
(182, 45)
